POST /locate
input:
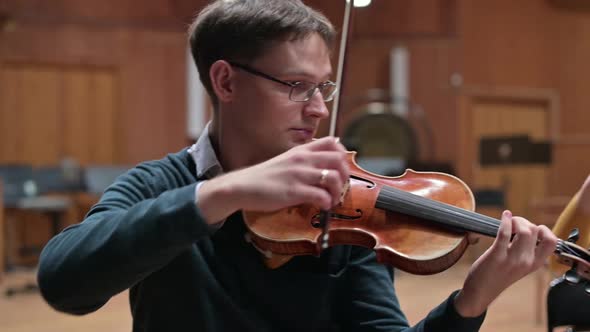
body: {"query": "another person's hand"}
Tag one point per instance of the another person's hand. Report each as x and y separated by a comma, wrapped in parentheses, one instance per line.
(519, 249)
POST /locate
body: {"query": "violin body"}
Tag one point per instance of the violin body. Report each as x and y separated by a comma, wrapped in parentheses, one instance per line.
(412, 244)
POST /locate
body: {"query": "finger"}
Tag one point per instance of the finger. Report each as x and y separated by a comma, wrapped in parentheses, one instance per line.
(324, 179)
(327, 143)
(313, 195)
(525, 239)
(547, 243)
(332, 160)
(505, 231)
(332, 183)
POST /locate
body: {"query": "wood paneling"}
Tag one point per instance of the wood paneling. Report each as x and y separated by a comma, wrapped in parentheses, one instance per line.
(30, 115)
(573, 52)
(146, 83)
(10, 122)
(105, 117)
(507, 43)
(76, 140)
(395, 19)
(58, 112)
(493, 113)
(127, 14)
(521, 184)
(571, 169)
(536, 44)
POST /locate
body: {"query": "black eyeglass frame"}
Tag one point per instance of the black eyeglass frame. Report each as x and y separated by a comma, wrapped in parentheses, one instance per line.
(309, 94)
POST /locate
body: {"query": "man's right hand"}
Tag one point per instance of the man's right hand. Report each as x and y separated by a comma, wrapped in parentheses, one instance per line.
(313, 173)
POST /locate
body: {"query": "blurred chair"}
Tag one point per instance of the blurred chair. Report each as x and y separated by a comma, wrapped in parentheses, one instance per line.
(57, 180)
(98, 178)
(544, 211)
(25, 196)
(18, 183)
(567, 305)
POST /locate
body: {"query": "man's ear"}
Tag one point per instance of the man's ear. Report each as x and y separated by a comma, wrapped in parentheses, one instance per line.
(221, 74)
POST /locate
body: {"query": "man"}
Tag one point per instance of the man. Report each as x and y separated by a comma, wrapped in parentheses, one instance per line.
(171, 230)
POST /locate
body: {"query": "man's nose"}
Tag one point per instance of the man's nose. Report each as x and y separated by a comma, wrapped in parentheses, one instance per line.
(316, 106)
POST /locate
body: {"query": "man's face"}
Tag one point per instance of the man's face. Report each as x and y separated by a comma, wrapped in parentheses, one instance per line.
(264, 115)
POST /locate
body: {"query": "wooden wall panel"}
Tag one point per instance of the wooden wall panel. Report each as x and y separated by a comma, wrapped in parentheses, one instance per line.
(90, 111)
(505, 112)
(153, 95)
(60, 112)
(31, 116)
(41, 118)
(77, 125)
(134, 14)
(508, 43)
(417, 19)
(573, 52)
(104, 114)
(10, 122)
(522, 184)
(571, 169)
(148, 89)
(535, 44)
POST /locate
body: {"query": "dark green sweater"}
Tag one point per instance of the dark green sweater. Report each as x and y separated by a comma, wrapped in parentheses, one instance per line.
(146, 234)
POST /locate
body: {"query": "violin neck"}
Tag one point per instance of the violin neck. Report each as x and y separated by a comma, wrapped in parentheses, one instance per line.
(445, 215)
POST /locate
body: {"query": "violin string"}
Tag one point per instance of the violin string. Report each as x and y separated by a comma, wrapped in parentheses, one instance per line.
(442, 214)
(563, 246)
(397, 200)
(454, 215)
(404, 202)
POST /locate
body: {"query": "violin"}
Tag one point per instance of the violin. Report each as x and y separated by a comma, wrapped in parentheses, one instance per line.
(417, 222)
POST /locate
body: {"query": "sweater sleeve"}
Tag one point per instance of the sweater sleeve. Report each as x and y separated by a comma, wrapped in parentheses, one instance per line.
(144, 220)
(373, 304)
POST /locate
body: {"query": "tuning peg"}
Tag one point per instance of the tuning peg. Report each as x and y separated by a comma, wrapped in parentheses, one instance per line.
(574, 235)
(572, 276)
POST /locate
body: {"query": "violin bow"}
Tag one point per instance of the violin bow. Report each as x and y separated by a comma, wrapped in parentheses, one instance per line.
(337, 103)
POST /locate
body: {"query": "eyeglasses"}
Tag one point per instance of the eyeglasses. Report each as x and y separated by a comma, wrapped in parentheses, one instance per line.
(300, 91)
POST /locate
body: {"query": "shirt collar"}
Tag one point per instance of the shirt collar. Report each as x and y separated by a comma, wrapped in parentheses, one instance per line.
(207, 164)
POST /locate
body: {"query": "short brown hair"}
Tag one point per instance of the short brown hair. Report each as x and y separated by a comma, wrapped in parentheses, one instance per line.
(244, 29)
